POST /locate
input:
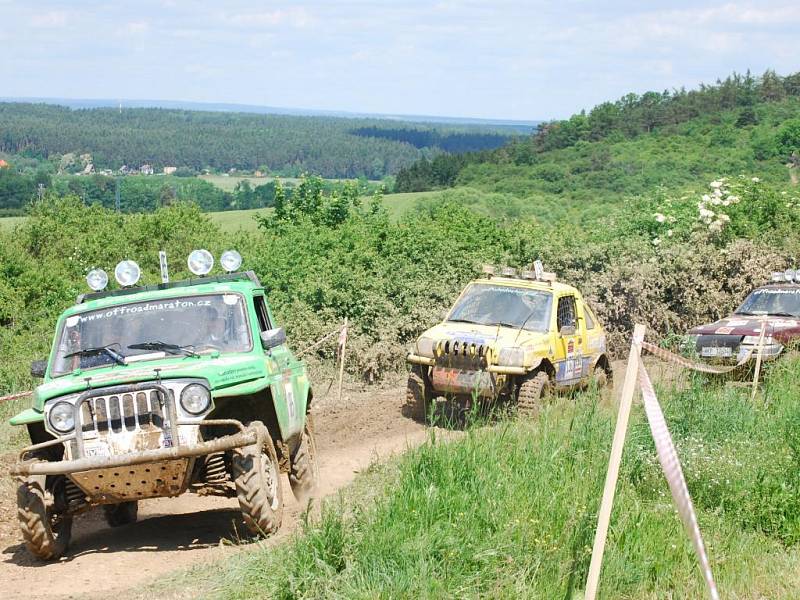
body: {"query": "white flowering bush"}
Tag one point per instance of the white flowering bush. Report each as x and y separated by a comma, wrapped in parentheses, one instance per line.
(730, 208)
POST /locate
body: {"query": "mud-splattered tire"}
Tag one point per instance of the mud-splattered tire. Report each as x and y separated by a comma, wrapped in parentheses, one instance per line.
(303, 466)
(418, 394)
(46, 533)
(531, 393)
(258, 489)
(121, 514)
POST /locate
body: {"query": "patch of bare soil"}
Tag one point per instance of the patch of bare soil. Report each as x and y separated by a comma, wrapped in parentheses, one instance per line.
(181, 532)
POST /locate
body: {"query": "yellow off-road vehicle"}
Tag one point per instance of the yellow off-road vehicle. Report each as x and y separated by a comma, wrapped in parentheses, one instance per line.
(515, 337)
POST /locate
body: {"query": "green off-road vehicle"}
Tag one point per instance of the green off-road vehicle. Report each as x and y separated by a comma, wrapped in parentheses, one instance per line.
(157, 390)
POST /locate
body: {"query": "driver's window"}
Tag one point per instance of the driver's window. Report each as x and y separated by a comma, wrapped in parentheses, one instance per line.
(567, 314)
(261, 313)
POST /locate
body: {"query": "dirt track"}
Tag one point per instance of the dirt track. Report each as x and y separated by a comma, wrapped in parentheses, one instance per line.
(177, 533)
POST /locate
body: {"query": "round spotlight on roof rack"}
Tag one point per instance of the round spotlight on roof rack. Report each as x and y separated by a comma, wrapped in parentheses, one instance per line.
(200, 262)
(127, 273)
(97, 279)
(797, 276)
(230, 260)
(789, 275)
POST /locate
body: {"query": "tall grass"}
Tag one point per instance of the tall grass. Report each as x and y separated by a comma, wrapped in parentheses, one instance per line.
(509, 510)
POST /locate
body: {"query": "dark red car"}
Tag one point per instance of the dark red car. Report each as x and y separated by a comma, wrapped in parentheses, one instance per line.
(775, 306)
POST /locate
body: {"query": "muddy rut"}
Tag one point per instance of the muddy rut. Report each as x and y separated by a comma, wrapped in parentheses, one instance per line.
(177, 533)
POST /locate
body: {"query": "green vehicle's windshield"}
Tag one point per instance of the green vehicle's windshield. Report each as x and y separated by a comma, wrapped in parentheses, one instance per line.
(487, 304)
(184, 326)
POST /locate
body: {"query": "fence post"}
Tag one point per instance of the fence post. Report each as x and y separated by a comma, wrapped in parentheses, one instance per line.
(758, 360)
(341, 359)
(604, 515)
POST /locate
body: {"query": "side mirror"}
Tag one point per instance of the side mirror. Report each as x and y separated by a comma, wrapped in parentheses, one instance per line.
(273, 337)
(567, 330)
(443, 315)
(38, 368)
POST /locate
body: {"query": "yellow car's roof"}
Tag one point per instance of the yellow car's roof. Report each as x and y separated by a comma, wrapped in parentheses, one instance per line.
(547, 286)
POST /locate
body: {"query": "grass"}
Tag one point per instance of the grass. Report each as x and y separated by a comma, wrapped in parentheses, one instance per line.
(8, 223)
(509, 511)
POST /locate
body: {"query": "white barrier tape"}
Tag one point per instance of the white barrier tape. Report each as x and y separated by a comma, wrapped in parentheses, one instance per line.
(671, 466)
(11, 397)
(690, 364)
(321, 341)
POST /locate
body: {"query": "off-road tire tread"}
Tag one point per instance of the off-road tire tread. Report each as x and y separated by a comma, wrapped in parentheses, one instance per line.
(303, 467)
(418, 395)
(530, 394)
(36, 532)
(121, 514)
(258, 515)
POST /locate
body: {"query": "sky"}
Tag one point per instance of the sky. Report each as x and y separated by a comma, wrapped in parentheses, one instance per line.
(485, 59)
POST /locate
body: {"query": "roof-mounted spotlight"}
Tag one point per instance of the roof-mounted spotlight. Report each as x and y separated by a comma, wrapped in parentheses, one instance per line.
(230, 260)
(97, 279)
(200, 262)
(127, 273)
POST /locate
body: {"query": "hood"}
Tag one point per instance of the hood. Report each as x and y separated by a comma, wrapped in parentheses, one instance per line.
(780, 328)
(499, 337)
(220, 372)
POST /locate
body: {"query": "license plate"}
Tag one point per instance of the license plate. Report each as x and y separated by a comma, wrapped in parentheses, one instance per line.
(717, 351)
(96, 449)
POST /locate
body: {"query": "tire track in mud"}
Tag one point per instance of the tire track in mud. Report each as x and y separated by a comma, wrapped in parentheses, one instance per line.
(181, 532)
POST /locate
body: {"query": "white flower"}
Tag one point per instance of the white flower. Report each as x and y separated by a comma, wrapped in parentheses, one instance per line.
(706, 198)
(715, 184)
(706, 214)
(656, 241)
(723, 218)
(734, 199)
(669, 233)
(783, 193)
(716, 201)
(726, 203)
(716, 226)
(755, 180)
(660, 218)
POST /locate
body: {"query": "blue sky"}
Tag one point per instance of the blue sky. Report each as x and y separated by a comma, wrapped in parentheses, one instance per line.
(489, 59)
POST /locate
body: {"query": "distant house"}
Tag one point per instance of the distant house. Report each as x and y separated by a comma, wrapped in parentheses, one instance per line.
(4, 164)
(258, 174)
(170, 170)
(88, 169)
(146, 169)
(124, 170)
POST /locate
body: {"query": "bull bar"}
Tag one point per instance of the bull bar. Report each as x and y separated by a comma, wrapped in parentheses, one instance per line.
(28, 465)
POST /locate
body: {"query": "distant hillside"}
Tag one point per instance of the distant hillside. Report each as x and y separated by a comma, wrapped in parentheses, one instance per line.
(743, 124)
(283, 144)
(513, 125)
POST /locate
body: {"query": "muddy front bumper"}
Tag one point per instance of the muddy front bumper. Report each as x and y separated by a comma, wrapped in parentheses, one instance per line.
(247, 436)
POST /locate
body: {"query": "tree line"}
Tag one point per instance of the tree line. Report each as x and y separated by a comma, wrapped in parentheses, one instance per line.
(283, 145)
(454, 142)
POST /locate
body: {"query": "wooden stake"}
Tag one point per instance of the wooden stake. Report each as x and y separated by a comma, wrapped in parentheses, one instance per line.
(341, 360)
(604, 516)
(758, 360)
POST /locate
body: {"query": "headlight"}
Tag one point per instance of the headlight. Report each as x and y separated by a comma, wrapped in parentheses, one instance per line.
(752, 340)
(230, 260)
(97, 279)
(62, 417)
(511, 357)
(127, 273)
(200, 262)
(195, 399)
(425, 347)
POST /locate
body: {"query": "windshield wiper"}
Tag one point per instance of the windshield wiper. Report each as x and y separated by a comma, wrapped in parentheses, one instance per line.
(463, 321)
(503, 324)
(750, 314)
(113, 354)
(781, 314)
(163, 347)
